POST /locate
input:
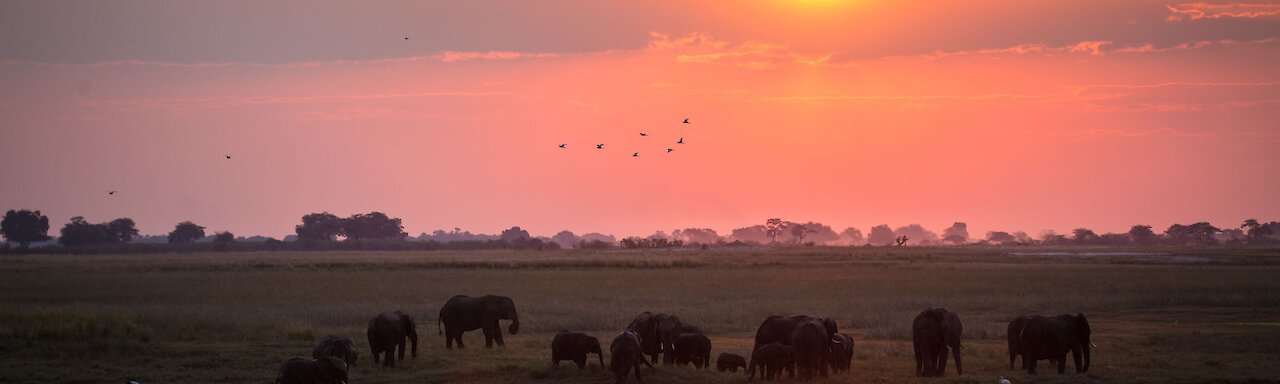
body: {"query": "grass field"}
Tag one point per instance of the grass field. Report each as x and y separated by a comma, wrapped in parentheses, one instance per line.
(1209, 315)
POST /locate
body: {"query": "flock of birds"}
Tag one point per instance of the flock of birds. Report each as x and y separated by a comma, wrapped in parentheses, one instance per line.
(642, 134)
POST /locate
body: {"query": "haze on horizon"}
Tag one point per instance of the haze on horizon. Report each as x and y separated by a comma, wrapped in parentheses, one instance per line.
(1006, 115)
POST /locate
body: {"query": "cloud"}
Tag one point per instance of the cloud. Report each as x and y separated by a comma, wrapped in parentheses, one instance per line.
(700, 48)
(442, 57)
(456, 56)
(1199, 11)
(190, 104)
(1151, 48)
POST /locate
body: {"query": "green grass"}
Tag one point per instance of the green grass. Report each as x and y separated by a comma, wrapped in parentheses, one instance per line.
(1201, 315)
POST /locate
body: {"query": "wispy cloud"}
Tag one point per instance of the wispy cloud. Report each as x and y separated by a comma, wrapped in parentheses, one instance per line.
(700, 48)
(442, 57)
(190, 104)
(1199, 11)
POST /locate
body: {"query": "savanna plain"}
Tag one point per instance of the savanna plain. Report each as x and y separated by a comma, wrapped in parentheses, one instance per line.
(1158, 315)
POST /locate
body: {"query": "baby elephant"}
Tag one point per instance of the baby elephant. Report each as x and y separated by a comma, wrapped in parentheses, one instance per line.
(730, 362)
(693, 348)
(339, 347)
(574, 346)
(325, 370)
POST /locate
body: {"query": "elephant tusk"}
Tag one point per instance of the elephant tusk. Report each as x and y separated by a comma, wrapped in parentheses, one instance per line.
(1091, 344)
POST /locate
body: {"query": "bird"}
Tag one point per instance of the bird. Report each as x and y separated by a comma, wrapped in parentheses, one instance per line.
(228, 156)
(406, 38)
(561, 145)
(599, 146)
(111, 192)
(637, 154)
(681, 141)
(644, 134)
(686, 120)
(669, 150)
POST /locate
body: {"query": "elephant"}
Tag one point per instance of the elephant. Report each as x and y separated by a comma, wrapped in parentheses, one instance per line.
(644, 326)
(812, 346)
(730, 362)
(387, 333)
(841, 356)
(693, 348)
(574, 346)
(1012, 333)
(667, 328)
(624, 354)
(1052, 337)
(339, 347)
(934, 331)
(778, 329)
(658, 334)
(771, 359)
(325, 370)
(463, 313)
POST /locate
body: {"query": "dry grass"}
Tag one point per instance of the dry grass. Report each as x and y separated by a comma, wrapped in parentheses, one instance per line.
(235, 317)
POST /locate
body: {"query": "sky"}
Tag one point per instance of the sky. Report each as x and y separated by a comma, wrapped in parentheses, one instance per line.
(1006, 115)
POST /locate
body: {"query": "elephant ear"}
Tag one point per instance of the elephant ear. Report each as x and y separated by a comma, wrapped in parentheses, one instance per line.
(333, 367)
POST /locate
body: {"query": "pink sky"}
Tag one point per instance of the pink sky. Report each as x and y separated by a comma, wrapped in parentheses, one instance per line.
(1007, 115)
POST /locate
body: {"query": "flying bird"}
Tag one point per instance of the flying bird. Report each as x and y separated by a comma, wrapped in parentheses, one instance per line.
(561, 145)
(669, 150)
(644, 134)
(406, 38)
(681, 141)
(111, 193)
(599, 146)
(637, 154)
(686, 120)
(228, 156)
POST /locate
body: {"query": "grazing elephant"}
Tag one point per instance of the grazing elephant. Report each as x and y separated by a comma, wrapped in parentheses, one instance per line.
(1012, 333)
(644, 326)
(339, 347)
(841, 356)
(730, 362)
(1052, 337)
(387, 333)
(625, 354)
(771, 359)
(325, 370)
(812, 345)
(574, 346)
(933, 332)
(778, 329)
(463, 313)
(693, 348)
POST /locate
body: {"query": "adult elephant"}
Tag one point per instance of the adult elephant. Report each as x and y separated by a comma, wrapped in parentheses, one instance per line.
(464, 313)
(1012, 333)
(933, 333)
(644, 326)
(387, 334)
(657, 333)
(841, 356)
(812, 347)
(778, 329)
(339, 347)
(1052, 337)
(574, 346)
(693, 347)
(625, 354)
(325, 370)
(771, 360)
(667, 328)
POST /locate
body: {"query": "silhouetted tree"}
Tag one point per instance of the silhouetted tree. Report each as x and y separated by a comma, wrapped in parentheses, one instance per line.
(186, 232)
(1256, 232)
(1142, 235)
(122, 229)
(1113, 239)
(696, 235)
(1001, 237)
(593, 237)
(917, 232)
(1084, 236)
(566, 239)
(24, 227)
(815, 232)
(901, 240)
(772, 228)
(852, 235)
(1023, 238)
(798, 231)
(1195, 234)
(1049, 237)
(753, 234)
(374, 225)
(514, 234)
(957, 234)
(322, 226)
(880, 234)
(224, 237)
(79, 232)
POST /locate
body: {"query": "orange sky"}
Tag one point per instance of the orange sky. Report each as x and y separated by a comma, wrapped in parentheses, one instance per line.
(1007, 115)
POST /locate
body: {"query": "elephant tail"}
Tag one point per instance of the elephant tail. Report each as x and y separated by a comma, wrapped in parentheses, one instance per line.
(438, 330)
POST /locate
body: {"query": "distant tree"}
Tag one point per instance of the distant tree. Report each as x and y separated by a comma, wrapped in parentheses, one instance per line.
(1255, 232)
(1230, 236)
(852, 235)
(566, 239)
(1049, 237)
(773, 227)
(1195, 234)
(1023, 238)
(514, 234)
(957, 234)
(1084, 236)
(224, 237)
(186, 232)
(815, 232)
(79, 232)
(753, 234)
(122, 229)
(918, 233)
(1001, 237)
(696, 235)
(593, 237)
(798, 232)
(1114, 239)
(1142, 235)
(24, 227)
(880, 234)
(322, 226)
(374, 225)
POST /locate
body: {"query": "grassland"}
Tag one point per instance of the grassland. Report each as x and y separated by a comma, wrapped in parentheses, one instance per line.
(1206, 315)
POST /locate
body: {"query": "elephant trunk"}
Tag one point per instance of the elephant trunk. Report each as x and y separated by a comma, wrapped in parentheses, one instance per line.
(955, 352)
(515, 322)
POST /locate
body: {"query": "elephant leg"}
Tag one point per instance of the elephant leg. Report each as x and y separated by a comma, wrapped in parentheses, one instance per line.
(489, 329)
(458, 337)
(374, 352)
(497, 335)
(1030, 363)
(400, 348)
(1075, 355)
(448, 339)
(637, 366)
(1062, 363)
(581, 361)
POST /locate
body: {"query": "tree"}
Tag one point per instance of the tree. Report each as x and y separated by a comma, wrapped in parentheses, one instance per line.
(1001, 237)
(773, 227)
(566, 239)
(515, 234)
(186, 232)
(1195, 234)
(753, 234)
(817, 233)
(374, 225)
(322, 226)
(79, 232)
(24, 227)
(918, 232)
(696, 235)
(798, 231)
(122, 230)
(852, 235)
(957, 234)
(1257, 232)
(224, 237)
(880, 234)
(1142, 235)
(1084, 236)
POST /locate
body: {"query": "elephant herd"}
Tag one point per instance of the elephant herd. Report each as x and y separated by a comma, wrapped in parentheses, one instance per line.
(803, 346)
